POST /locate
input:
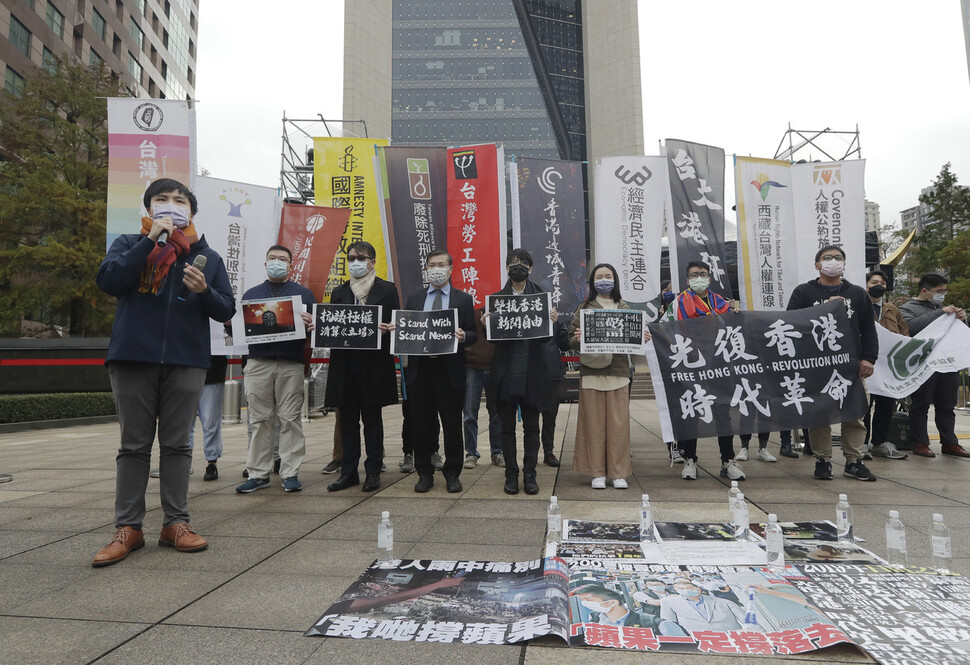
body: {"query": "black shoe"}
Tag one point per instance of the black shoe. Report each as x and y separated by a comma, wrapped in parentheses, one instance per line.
(530, 485)
(786, 451)
(333, 466)
(807, 450)
(211, 472)
(823, 469)
(276, 466)
(245, 473)
(342, 483)
(511, 485)
(453, 484)
(858, 471)
(549, 459)
(424, 484)
(371, 482)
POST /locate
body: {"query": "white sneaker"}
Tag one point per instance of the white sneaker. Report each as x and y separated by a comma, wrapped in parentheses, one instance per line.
(690, 470)
(742, 455)
(731, 470)
(619, 484)
(765, 456)
(676, 457)
(599, 483)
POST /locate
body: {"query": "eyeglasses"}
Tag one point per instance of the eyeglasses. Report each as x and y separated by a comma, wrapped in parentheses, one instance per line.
(358, 257)
(284, 259)
(830, 258)
(695, 275)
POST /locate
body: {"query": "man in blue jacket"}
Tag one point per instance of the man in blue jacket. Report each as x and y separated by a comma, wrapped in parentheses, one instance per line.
(157, 359)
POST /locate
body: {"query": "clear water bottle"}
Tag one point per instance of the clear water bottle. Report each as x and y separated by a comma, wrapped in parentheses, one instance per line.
(774, 543)
(751, 613)
(742, 518)
(385, 538)
(733, 497)
(895, 540)
(646, 519)
(940, 540)
(553, 522)
(843, 519)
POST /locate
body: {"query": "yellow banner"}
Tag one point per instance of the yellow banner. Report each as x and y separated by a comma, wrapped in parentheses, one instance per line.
(343, 176)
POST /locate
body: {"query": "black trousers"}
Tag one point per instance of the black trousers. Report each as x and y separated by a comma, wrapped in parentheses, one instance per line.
(940, 391)
(548, 430)
(530, 439)
(409, 429)
(688, 448)
(352, 413)
(432, 399)
(878, 417)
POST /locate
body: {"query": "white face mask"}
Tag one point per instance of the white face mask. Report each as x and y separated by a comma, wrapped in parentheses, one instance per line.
(833, 268)
(689, 592)
(593, 606)
(699, 284)
(438, 276)
(938, 298)
(276, 268)
(357, 268)
(178, 214)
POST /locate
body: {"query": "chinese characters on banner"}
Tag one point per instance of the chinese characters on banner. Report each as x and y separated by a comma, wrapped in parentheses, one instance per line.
(518, 317)
(630, 195)
(905, 363)
(346, 326)
(312, 233)
(148, 139)
(548, 220)
(420, 333)
(612, 331)
(343, 176)
(476, 219)
(696, 174)
(755, 372)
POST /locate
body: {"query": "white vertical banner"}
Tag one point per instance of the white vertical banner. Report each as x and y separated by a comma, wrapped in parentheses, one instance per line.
(830, 209)
(240, 222)
(503, 221)
(767, 256)
(628, 221)
(514, 197)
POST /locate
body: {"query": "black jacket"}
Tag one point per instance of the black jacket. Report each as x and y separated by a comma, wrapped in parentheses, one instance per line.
(466, 321)
(859, 308)
(919, 313)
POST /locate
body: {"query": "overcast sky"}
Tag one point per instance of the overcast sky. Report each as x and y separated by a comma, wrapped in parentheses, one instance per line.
(729, 74)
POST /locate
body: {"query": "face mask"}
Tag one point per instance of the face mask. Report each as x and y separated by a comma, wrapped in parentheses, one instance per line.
(438, 276)
(518, 272)
(594, 606)
(938, 298)
(277, 269)
(832, 268)
(357, 268)
(668, 296)
(699, 283)
(178, 214)
(656, 589)
(877, 291)
(688, 592)
(604, 287)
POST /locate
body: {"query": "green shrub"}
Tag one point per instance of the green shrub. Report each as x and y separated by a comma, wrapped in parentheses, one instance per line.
(54, 406)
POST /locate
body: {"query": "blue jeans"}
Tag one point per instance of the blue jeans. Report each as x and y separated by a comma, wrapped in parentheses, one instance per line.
(210, 413)
(475, 381)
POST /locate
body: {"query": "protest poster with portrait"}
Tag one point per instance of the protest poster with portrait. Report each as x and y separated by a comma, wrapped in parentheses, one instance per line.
(513, 317)
(612, 331)
(346, 327)
(268, 320)
(420, 333)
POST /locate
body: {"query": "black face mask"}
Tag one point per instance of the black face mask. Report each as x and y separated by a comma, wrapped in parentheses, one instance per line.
(518, 272)
(877, 291)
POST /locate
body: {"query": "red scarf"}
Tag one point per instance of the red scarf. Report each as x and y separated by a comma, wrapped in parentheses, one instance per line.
(161, 258)
(692, 306)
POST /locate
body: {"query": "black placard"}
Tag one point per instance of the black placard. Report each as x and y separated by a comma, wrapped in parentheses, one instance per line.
(420, 333)
(518, 317)
(346, 326)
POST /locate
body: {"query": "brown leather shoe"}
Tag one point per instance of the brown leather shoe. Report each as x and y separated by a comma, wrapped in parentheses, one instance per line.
(127, 539)
(923, 450)
(182, 537)
(956, 450)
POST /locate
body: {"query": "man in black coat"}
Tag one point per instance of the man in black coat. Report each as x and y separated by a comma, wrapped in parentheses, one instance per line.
(360, 383)
(436, 384)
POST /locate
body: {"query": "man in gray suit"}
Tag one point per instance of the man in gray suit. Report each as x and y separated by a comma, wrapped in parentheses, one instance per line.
(693, 610)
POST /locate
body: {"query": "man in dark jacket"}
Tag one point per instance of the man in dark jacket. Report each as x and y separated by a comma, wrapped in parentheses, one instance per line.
(157, 359)
(941, 388)
(830, 285)
(360, 383)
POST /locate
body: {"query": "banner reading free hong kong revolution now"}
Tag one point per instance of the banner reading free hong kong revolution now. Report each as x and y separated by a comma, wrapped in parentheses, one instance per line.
(148, 139)
(312, 234)
(343, 176)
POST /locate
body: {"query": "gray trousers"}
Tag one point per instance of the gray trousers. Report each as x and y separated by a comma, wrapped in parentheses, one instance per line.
(147, 397)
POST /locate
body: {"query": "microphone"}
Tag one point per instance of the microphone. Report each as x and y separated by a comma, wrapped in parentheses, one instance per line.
(198, 263)
(162, 239)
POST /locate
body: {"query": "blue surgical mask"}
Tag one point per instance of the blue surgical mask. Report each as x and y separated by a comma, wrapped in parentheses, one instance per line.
(604, 287)
(938, 298)
(689, 592)
(668, 296)
(357, 268)
(178, 214)
(277, 269)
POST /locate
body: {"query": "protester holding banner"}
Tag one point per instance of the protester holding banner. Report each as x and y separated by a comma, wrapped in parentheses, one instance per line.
(941, 388)
(525, 376)
(362, 382)
(157, 359)
(831, 285)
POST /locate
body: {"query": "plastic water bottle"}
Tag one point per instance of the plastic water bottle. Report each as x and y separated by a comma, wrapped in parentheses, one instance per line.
(751, 613)
(646, 519)
(553, 522)
(742, 518)
(940, 540)
(843, 519)
(733, 497)
(895, 540)
(774, 543)
(385, 538)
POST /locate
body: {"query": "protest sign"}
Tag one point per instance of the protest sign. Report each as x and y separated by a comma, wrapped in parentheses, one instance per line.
(419, 333)
(612, 331)
(268, 320)
(518, 317)
(346, 326)
(905, 363)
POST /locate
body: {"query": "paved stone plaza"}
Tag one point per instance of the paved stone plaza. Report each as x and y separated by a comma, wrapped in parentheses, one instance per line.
(276, 561)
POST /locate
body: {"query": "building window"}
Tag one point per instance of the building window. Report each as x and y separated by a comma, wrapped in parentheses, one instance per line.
(94, 59)
(49, 61)
(55, 20)
(134, 67)
(19, 36)
(136, 33)
(99, 24)
(14, 83)
(29, 3)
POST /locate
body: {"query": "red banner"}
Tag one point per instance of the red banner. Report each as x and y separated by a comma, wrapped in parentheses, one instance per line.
(476, 220)
(313, 235)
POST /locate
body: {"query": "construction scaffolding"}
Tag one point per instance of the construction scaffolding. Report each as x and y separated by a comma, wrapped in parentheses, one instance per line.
(296, 157)
(831, 143)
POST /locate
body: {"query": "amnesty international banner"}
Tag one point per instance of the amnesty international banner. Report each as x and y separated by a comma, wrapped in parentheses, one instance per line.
(476, 219)
(312, 234)
(240, 222)
(413, 182)
(343, 175)
(830, 209)
(905, 363)
(549, 220)
(630, 195)
(766, 233)
(148, 139)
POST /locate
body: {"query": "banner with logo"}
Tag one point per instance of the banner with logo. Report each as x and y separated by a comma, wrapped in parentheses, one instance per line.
(343, 177)
(767, 256)
(629, 203)
(413, 182)
(312, 234)
(830, 209)
(148, 139)
(696, 174)
(755, 372)
(240, 222)
(549, 220)
(905, 363)
(476, 219)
